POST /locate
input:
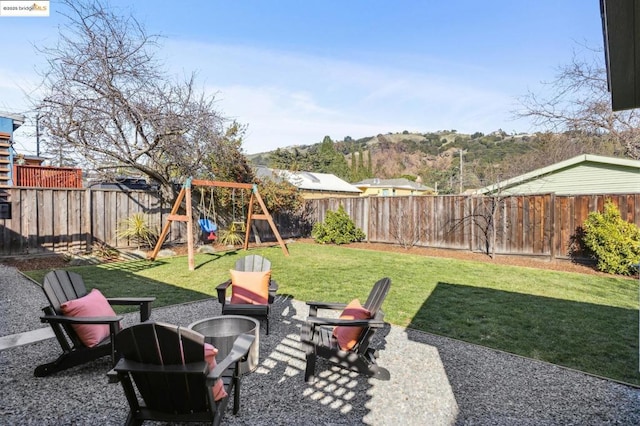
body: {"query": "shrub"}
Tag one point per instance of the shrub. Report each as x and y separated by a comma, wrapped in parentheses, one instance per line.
(612, 241)
(337, 228)
(136, 228)
(231, 236)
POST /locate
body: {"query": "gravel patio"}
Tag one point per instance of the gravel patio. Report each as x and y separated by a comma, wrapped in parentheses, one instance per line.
(434, 380)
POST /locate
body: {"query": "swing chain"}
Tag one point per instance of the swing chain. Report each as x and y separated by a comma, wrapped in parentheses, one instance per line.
(234, 222)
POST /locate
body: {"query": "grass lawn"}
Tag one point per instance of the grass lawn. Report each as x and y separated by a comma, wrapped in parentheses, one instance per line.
(586, 322)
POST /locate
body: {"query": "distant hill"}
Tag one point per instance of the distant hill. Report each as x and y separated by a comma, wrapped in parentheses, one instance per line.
(435, 156)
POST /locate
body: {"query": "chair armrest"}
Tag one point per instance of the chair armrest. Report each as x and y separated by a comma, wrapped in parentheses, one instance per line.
(143, 302)
(126, 365)
(61, 319)
(373, 323)
(222, 291)
(129, 300)
(327, 305)
(239, 351)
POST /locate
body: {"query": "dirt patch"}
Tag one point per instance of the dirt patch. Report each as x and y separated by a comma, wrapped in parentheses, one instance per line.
(525, 261)
(32, 263)
(61, 261)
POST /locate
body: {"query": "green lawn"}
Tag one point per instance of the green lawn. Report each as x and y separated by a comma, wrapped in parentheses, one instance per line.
(586, 322)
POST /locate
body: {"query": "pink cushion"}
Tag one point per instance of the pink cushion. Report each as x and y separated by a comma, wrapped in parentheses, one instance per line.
(348, 336)
(250, 287)
(210, 353)
(93, 304)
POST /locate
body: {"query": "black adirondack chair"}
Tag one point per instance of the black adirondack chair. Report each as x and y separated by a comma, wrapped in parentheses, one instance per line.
(318, 340)
(61, 286)
(251, 263)
(172, 388)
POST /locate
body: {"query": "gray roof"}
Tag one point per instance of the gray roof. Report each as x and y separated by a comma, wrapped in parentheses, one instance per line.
(621, 33)
(401, 183)
(309, 181)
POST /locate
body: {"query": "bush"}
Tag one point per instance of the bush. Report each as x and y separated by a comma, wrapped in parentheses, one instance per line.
(612, 241)
(137, 229)
(337, 228)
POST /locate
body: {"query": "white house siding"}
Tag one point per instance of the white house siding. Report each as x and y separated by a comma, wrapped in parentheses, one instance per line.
(583, 178)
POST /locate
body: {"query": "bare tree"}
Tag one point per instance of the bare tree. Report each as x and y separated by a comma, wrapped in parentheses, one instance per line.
(107, 96)
(551, 148)
(578, 101)
(406, 224)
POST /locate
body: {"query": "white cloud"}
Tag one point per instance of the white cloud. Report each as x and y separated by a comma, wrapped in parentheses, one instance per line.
(289, 99)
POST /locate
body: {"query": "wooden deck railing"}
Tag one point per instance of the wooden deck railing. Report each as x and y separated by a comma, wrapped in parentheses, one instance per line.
(47, 177)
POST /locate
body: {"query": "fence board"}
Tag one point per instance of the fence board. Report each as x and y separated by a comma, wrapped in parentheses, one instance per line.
(60, 218)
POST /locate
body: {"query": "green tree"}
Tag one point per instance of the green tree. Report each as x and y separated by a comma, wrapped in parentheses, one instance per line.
(328, 160)
(354, 166)
(279, 196)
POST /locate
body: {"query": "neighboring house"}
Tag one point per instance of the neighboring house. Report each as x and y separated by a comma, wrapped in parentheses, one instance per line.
(27, 170)
(392, 187)
(584, 174)
(8, 124)
(310, 184)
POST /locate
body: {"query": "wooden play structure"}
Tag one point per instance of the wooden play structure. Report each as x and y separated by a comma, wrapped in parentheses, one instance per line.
(185, 194)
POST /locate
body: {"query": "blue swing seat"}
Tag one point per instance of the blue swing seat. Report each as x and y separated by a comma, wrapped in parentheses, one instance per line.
(207, 225)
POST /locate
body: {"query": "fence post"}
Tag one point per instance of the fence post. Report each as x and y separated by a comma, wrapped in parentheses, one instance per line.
(552, 230)
(88, 219)
(366, 211)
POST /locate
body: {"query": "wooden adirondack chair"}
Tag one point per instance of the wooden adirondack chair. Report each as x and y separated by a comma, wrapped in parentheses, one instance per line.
(318, 340)
(61, 286)
(174, 382)
(251, 263)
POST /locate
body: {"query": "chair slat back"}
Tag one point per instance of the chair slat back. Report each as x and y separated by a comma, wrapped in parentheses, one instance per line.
(164, 344)
(377, 295)
(373, 304)
(61, 286)
(367, 334)
(253, 263)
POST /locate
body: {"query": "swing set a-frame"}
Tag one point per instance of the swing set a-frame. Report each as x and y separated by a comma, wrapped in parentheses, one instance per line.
(185, 194)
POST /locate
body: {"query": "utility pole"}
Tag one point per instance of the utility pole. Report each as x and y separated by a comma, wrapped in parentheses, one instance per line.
(37, 135)
(460, 171)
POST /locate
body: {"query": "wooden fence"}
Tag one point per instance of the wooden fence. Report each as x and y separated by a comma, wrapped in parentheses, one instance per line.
(46, 176)
(531, 225)
(62, 220)
(71, 220)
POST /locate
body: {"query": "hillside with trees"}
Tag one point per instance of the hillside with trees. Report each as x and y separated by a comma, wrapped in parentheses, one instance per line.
(436, 156)
(575, 113)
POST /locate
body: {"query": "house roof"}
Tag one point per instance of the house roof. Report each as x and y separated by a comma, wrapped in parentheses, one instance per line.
(598, 159)
(18, 119)
(400, 183)
(621, 34)
(309, 181)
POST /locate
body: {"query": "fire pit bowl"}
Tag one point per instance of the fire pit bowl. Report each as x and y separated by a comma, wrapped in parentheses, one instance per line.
(222, 331)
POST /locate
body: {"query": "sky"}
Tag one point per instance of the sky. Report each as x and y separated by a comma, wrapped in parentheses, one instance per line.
(297, 71)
